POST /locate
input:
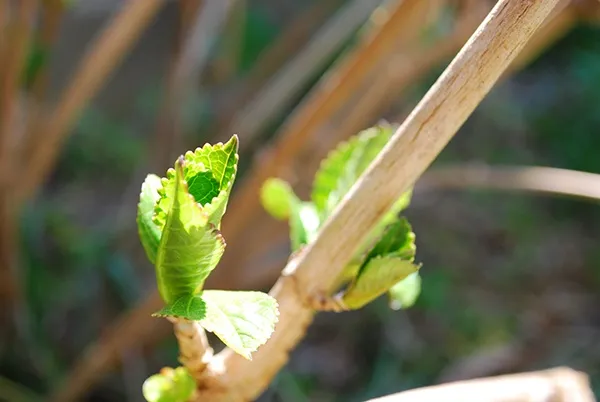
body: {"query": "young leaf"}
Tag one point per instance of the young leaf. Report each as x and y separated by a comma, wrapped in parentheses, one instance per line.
(405, 293)
(190, 247)
(378, 276)
(389, 262)
(210, 173)
(190, 307)
(398, 239)
(242, 320)
(276, 196)
(170, 385)
(149, 232)
(279, 200)
(342, 168)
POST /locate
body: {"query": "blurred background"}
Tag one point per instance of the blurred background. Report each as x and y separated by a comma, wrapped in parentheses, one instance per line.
(98, 93)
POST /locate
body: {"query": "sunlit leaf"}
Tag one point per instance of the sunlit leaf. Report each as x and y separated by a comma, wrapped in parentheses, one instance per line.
(276, 196)
(242, 320)
(148, 231)
(344, 165)
(405, 293)
(190, 307)
(190, 247)
(170, 385)
(398, 238)
(378, 276)
(210, 172)
(279, 200)
(389, 262)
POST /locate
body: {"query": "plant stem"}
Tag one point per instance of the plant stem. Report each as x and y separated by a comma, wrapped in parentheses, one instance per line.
(194, 350)
(412, 148)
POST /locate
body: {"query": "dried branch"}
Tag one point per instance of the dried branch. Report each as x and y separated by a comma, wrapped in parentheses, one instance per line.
(409, 152)
(330, 95)
(191, 60)
(227, 59)
(402, 71)
(520, 178)
(271, 60)
(280, 91)
(18, 32)
(108, 50)
(556, 385)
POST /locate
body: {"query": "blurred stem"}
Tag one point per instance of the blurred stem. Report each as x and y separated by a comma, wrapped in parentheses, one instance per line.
(194, 349)
(227, 59)
(184, 78)
(16, 36)
(518, 178)
(52, 16)
(107, 51)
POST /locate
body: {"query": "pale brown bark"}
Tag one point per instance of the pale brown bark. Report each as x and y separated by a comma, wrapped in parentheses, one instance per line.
(409, 152)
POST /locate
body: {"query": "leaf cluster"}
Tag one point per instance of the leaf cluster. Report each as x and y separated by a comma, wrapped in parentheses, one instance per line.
(385, 261)
(179, 217)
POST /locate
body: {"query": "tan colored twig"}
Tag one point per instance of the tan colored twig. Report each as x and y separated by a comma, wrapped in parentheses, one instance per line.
(556, 385)
(108, 50)
(519, 178)
(190, 61)
(18, 32)
(271, 60)
(194, 349)
(227, 59)
(409, 152)
(402, 71)
(330, 95)
(280, 91)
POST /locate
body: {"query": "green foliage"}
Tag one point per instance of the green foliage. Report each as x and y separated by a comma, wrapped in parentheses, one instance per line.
(178, 222)
(149, 232)
(386, 258)
(190, 247)
(388, 263)
(242, 320)
(170, 385)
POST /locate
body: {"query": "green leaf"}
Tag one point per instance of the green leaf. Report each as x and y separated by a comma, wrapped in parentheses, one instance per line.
(389, 262)
(276, 197)
(242, 320)
(280, 201)
(376, 278)
(190, 307)
(398, 239)
(344, 165)
(170, 385)
(148, 231)
(405, 293)
(210, 173)
(190, 247)
(304, 224)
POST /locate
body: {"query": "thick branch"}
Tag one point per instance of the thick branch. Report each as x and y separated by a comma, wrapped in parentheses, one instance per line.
(409, 152)
(556, 385)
